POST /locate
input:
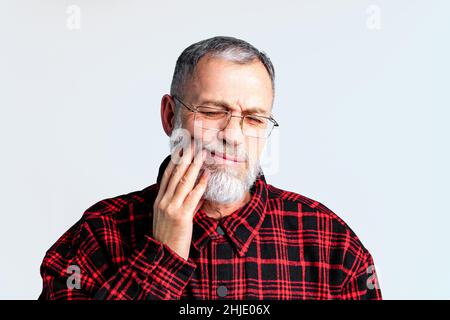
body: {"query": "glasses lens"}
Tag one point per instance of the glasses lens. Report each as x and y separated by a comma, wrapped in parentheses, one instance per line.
(215, 119)
(257, 127)
(211, 118)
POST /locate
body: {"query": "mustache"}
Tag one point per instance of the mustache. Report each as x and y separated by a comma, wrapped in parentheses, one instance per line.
(235, 152)
(212, 148)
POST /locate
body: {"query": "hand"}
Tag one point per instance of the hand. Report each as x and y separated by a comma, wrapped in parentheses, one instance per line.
(179, 199)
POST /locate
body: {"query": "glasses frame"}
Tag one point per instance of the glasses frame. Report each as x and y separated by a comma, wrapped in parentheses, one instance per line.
(194, 110)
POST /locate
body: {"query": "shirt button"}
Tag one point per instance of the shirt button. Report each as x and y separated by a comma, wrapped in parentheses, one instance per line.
(222, 291)
(220, 230)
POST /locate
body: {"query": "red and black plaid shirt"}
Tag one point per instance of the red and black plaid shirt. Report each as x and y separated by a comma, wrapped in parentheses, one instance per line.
(280, 245)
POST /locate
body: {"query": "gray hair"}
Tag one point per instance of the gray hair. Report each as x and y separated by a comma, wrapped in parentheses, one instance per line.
(228, 48)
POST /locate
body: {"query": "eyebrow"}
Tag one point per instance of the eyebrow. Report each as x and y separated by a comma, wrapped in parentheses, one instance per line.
(224, 104)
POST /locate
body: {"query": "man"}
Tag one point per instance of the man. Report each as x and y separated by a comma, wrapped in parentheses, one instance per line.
(212, 227)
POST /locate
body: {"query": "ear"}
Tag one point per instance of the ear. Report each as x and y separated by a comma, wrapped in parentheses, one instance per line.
(167, 113)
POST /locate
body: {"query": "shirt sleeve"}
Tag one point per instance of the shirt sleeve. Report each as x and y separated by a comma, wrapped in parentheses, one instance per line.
(89, 271)
(363, 282)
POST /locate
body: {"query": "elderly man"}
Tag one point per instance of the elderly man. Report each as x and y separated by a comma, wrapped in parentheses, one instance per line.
(212, 227)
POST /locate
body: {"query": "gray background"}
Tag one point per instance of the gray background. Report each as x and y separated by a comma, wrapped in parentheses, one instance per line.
(363, 116)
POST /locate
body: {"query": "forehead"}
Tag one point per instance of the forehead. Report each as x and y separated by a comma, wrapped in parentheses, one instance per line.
(229, 84)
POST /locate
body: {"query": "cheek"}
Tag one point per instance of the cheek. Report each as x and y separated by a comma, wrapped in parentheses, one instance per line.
(188, 122)
(254, 152)
(254, 148)
(205, 136)
(197, 133)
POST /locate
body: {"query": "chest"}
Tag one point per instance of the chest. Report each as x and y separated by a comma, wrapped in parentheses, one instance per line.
(275, 266)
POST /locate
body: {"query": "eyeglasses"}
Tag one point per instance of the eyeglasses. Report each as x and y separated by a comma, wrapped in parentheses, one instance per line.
(216, 119)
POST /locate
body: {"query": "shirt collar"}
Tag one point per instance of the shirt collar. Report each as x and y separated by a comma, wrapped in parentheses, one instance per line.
(240, 227)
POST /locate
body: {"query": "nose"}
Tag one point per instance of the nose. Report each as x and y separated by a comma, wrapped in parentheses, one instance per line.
(232, 133)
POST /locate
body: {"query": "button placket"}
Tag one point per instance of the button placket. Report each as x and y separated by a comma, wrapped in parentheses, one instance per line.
(219, 230)
(222, 288)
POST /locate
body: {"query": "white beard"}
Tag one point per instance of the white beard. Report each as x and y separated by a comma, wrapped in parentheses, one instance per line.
(226, 184)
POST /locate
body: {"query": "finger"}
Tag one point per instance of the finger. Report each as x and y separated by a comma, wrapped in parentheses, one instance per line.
(196, 194)
(154, 221)
(199, 205)
(188, 180)
(178, 171)
(174, 159)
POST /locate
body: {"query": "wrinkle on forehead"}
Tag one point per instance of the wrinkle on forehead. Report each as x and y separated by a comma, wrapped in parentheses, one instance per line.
(238, 86)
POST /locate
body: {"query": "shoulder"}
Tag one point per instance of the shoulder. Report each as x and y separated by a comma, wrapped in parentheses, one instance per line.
(121, 218)
(120, 205)
(114, 225)
(315, 221)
